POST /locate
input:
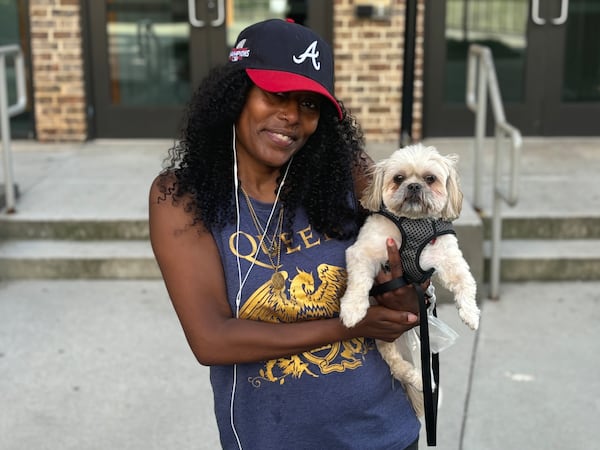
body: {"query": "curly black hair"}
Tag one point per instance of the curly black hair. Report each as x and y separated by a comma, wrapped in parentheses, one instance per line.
(202, 161)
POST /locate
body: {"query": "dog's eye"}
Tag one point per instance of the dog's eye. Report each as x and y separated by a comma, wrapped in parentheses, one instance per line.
(430, 179)
(398, 179)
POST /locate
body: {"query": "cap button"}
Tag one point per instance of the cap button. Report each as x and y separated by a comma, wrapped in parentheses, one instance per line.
(290, 20)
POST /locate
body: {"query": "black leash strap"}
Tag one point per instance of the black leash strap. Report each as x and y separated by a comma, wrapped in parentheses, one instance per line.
(430, 395)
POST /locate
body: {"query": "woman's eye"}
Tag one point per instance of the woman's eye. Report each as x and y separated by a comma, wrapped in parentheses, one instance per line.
(310, 104)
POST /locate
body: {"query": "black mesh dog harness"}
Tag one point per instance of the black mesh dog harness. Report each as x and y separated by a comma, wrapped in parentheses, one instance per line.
(416, 234)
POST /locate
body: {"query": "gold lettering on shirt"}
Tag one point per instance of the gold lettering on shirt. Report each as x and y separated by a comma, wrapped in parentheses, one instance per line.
(306, 235)
(288, 242)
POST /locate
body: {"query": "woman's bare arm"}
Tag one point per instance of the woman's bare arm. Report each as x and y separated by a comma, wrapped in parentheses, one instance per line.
(191, 267)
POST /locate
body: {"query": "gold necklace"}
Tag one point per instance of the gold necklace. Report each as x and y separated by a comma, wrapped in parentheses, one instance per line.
(274, 248)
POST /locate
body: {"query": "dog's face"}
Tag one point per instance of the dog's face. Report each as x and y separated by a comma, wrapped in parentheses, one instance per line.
(416, 182)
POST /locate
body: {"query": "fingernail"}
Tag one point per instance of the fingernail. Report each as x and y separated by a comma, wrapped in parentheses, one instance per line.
(412, 317)
(390, 241)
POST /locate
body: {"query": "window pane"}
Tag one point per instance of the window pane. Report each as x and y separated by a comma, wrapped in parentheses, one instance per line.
(500, 25)
(247, 12)
(582, 48)
(148, 46)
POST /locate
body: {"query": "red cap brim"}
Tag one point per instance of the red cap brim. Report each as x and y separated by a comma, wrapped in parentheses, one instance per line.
(280, 81)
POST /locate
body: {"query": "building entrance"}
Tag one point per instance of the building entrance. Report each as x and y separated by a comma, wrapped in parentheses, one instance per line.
(547, 57)
(148, 56)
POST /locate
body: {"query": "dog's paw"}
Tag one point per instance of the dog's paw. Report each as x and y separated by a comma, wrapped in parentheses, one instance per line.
(353, 313)
(470, 316)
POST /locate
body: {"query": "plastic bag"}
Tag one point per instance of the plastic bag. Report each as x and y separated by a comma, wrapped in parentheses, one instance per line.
(441, 335)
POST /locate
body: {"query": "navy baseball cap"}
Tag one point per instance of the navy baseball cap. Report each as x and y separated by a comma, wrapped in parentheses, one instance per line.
(282, 56)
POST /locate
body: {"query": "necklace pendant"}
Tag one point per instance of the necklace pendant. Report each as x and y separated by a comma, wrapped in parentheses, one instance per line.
(274, 250)
(277, 281)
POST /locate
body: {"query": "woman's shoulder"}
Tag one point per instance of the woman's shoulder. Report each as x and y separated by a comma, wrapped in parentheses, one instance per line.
(164, 185)
(166, 202)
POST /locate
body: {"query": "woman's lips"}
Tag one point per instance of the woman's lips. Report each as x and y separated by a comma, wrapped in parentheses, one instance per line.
(280, 138)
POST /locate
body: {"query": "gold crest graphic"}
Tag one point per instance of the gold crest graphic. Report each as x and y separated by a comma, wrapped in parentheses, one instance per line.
(305, 301)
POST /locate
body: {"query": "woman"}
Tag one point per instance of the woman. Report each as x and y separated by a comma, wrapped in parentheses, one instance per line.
(249, 225)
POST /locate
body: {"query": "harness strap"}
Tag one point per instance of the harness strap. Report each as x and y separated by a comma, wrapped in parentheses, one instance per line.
(391, 285)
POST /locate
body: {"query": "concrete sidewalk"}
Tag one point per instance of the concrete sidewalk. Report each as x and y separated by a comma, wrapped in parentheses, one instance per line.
(104, 364)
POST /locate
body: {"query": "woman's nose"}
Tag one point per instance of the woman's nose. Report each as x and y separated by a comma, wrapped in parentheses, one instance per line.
(289, 110)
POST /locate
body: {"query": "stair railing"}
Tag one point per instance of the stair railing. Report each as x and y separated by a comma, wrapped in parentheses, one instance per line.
(7, 111)
(482, 80)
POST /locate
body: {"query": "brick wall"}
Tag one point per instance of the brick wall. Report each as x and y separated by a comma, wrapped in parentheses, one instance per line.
(369, 56)
(58, 70)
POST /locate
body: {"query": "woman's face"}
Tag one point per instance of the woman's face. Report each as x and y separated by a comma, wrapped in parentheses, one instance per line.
(274, 126)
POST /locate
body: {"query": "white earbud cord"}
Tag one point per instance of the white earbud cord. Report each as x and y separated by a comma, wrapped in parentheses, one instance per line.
(242, 282)
(237, 297)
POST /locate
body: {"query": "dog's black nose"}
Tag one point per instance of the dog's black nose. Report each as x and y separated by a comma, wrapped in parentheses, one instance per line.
(414, 188)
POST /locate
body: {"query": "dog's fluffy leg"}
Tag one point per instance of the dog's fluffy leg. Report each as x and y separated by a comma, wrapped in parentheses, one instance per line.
(405, 372)
(355, 302)
(416, 399)
(363, 261)
(454, 273)
(401, 369)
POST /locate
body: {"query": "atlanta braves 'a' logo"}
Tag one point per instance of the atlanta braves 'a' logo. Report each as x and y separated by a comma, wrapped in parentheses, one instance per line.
(310, 52)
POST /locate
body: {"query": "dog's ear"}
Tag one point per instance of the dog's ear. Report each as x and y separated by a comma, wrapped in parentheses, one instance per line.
(455, 197)
(372, 196)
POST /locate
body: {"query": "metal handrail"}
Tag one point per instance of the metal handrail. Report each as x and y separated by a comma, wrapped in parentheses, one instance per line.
(481, 74)
(7, 111)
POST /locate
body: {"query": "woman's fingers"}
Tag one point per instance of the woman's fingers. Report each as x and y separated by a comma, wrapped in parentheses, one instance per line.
(394, 261)
(387, 325)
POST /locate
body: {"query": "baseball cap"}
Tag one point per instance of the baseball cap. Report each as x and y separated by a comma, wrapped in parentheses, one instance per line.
(282, 56)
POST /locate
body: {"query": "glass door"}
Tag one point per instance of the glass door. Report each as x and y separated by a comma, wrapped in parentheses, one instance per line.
(572, 94)
(148, 55)
(547, 59)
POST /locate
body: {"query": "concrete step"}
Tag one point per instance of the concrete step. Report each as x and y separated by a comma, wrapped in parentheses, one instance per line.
(521, 260)
(547, 227)
(62, 259)
(14, 227)
(546, 259)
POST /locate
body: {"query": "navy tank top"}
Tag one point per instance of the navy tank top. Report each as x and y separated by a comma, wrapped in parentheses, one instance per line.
(339, 396)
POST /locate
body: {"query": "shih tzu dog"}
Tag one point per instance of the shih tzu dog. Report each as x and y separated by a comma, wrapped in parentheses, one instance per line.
(413, 196)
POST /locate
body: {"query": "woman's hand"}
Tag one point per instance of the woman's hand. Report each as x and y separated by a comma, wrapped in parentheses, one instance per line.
(385, 324)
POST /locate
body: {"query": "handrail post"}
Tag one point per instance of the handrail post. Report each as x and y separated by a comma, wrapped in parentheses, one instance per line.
(496, 232)
(6, 112)
(480, 62)
(480, 121)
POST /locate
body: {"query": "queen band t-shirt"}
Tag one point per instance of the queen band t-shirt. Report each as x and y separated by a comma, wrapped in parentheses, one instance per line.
(339, 396)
